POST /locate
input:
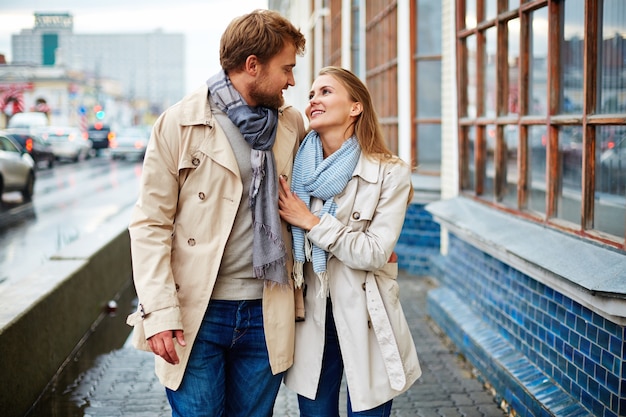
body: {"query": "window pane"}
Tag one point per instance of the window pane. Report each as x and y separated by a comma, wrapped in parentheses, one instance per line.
(429, 89)
(571, 167)
(610, 196)
(429, 147)
(613, 58)
(471, 141)
(572, 57)
(471, 76)
(490, 166)
(428, 28)
(513, 60)
(537, 141)
(490, 72)
(490, 9)
(538, 62)
(470, 13)
(511, 140)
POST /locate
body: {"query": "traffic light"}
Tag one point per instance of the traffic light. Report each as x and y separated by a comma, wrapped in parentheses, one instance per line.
(99, 111)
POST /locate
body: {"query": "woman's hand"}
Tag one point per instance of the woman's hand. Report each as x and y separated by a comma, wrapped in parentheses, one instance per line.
(292, 209)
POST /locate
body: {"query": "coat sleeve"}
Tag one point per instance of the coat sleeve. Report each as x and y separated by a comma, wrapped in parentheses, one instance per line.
(369, 248)
(151, 228)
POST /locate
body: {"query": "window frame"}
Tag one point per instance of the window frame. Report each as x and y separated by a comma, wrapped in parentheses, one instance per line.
(553, 120)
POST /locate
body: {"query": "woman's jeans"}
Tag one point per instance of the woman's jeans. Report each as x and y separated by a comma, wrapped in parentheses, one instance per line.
(229, 371)
(326, 403)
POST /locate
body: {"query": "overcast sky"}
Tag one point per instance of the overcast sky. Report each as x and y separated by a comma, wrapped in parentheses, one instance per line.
(202, 22)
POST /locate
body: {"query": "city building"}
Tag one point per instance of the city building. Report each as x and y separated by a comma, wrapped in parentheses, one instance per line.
(150, 67)
(513, 114)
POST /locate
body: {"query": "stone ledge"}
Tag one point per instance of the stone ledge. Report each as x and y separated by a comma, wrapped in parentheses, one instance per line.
(589, 274)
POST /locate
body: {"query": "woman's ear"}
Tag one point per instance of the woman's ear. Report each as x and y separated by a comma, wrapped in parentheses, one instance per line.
(357, 109)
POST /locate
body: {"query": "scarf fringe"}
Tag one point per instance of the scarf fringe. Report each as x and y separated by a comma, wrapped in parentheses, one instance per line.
(298, 274)
(324, 290)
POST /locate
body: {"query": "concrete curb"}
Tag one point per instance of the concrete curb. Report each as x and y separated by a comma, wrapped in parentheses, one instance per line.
(44, 316)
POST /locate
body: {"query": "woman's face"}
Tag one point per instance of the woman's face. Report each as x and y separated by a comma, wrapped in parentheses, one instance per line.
(330, 106)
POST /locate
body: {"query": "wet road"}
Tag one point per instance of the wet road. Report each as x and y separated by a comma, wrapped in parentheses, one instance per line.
(70, 201)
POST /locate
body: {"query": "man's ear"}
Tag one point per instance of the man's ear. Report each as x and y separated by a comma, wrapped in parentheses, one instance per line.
(252, 65)
(357, 109)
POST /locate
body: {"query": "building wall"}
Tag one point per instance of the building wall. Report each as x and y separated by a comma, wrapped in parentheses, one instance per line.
(149, 66)
(538, 312)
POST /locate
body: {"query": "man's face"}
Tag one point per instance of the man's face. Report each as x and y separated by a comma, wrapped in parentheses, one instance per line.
(274, 77)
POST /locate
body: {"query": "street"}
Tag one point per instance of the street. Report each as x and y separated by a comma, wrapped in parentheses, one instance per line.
(70, 200)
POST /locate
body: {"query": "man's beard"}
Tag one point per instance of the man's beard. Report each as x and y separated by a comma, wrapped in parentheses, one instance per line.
(264, 99)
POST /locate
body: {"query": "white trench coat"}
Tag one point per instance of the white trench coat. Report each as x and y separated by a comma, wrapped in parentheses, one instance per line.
(380, 361)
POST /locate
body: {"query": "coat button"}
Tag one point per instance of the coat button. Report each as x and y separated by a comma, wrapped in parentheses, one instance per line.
(191, 242)
(285, 177)
(195, 162)
(201, 196)
(363, 286)
(356, 215)
(177, 287)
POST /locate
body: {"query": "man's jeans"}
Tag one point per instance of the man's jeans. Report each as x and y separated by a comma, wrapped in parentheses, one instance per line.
(326, 403)
(229, 371)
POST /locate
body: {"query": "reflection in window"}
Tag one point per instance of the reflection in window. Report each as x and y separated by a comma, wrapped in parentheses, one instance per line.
(429, 88)
(613, 58)
(471, 163)
(470, 14)
(610, 196)
(429, 147)
(471, 76)
(490, 166)
(537, 141)
(572, 57)
(428, 37)
(490, 9)
(511, 140)
(538, 62)
(514, 61)
(490, 72)
(571, 163)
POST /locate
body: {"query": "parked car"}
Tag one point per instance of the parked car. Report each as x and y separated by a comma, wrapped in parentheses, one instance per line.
(35, 145)
(68, 142)
(17, 168)
(130, 143)
(100, 136)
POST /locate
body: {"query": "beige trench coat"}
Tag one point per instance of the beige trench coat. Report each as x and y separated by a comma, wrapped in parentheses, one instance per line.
(191, 188)
(379, 355)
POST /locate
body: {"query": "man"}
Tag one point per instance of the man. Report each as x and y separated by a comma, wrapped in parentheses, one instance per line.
(211, 258)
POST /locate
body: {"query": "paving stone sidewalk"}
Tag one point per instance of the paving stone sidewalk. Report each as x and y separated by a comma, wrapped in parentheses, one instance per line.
(122, 382)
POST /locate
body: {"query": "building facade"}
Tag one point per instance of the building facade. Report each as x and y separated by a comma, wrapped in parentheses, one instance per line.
(513, 115)
(150, 67)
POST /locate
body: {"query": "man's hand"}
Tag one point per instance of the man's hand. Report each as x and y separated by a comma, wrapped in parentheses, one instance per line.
(162, 344)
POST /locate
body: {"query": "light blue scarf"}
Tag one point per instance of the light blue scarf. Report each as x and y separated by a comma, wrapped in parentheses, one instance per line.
(314, 176)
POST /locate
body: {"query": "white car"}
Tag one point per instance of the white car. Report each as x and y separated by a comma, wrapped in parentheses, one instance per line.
(17, 169)
(129, 143)
(67, 142)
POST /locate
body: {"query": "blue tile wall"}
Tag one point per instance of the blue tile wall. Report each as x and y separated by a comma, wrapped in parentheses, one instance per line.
(580, 350)
(419, 241)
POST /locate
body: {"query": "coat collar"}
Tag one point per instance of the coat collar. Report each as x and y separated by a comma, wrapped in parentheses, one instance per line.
(367, 168)
(196, 110)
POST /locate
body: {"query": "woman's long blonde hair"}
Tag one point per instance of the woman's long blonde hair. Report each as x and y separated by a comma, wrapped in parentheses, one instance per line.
(366, 127)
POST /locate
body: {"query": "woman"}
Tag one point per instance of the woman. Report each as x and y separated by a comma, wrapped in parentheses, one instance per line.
(346, 207)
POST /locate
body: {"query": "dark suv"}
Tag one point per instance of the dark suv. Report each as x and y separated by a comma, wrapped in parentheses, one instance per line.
(100, 135)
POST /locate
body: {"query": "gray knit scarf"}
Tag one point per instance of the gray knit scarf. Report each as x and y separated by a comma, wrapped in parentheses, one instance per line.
(258, 127)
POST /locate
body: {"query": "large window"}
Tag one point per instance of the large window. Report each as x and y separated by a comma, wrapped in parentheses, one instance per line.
(542, 102)
(427, 74)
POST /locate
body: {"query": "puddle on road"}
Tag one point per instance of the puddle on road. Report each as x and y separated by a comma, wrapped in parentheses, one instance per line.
(110, 334)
